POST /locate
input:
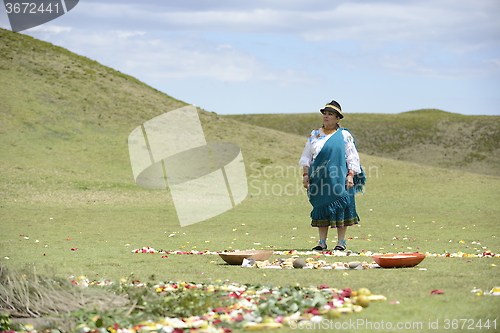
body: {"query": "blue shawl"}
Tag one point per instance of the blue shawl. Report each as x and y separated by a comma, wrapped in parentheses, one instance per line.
(327, 175)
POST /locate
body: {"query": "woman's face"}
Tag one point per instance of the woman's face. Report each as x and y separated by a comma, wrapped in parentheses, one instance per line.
(330, 118)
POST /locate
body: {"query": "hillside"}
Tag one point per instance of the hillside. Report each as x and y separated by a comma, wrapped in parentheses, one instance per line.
(432, 137)
(65, 122)
(54, 102)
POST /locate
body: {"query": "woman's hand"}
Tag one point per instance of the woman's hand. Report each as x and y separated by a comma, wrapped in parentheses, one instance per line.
(349, 181)
(305, 181)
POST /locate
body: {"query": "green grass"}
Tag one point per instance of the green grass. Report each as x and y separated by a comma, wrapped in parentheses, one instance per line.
(66, 183)
(425, 204)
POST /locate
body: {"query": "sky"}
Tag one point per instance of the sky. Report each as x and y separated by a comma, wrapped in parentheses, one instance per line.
(294, 56)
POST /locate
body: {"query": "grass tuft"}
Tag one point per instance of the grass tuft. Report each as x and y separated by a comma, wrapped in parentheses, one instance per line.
(25, 293)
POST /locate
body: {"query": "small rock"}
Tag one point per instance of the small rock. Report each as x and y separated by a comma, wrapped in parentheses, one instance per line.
(299, 263)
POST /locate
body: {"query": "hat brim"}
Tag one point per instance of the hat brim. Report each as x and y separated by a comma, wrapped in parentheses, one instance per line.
(332, 110)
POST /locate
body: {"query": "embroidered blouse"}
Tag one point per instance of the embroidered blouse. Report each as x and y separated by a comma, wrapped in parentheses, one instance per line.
(315, 143)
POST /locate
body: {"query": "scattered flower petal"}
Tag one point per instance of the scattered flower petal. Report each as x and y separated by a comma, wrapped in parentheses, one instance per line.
(437, 292)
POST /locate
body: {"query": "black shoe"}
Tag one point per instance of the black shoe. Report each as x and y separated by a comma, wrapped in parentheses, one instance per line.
(319, 248)
(341, 247)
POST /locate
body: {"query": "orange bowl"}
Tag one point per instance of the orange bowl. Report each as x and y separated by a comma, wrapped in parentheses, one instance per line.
(236, 257)
(393, 260)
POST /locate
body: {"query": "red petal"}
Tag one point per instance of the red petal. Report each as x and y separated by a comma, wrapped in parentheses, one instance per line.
(437, 292)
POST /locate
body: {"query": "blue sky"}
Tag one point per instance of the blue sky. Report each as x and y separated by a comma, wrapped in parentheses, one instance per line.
(291, 56)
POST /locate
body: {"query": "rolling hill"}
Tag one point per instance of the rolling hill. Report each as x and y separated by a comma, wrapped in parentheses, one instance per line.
(432, 137)
(61, 111)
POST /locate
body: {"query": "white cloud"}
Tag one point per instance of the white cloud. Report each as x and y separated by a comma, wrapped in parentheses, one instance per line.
(428, 32)
(47, 30)
(403, 21)
(157, 58)
(446, 21)
(126, 34)
(495, 61)
(313, 44)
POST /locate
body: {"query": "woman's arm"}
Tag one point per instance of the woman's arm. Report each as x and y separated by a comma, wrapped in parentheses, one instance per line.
(305, 177)
(351, 153)
(305, 163)
(352, 159)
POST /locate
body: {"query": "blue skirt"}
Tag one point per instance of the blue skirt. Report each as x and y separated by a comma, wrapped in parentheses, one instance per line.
(343, 217)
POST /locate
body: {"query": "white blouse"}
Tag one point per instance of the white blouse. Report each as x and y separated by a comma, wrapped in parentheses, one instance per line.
(317, 140)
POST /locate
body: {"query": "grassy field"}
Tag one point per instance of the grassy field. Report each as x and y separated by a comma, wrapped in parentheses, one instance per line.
(69, 204)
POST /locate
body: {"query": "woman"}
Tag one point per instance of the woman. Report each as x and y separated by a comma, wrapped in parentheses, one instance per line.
(332, 175)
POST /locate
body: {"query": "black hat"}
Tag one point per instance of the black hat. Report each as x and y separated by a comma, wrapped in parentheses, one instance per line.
(333, 106)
